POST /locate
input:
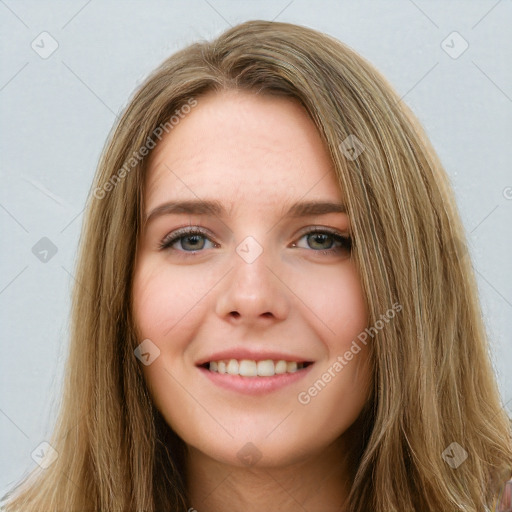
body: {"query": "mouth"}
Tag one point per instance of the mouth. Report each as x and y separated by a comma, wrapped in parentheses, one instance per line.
(260, 376)
(255, 368)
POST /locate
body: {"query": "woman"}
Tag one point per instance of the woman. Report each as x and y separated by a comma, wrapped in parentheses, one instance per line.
(274, 307)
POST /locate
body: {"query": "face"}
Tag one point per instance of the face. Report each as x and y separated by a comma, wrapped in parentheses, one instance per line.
(233, 275)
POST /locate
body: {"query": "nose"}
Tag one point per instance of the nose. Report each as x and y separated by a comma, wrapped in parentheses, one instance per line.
(253, 293)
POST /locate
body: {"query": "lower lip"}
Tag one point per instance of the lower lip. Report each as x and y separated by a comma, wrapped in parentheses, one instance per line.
(254, 385)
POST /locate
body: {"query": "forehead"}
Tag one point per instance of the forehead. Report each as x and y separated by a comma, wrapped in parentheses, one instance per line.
(239, 146)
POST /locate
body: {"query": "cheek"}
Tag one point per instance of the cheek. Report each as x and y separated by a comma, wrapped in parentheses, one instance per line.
(167, 310)
(335, 295)
(336, 391)
(165, 299)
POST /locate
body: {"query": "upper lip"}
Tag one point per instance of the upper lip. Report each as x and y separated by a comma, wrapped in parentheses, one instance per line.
(255, 355)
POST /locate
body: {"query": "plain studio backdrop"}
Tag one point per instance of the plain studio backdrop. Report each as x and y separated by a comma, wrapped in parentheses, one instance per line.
(68, 69)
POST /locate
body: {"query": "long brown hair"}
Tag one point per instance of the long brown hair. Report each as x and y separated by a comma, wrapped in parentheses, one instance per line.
(433, 381)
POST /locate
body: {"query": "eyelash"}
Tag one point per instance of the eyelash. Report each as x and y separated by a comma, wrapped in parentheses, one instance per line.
(169, 240)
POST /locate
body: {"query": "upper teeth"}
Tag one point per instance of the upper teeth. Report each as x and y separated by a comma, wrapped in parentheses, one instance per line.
(251, 368)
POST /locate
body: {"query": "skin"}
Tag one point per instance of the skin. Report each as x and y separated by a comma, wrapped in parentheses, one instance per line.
(256, 155)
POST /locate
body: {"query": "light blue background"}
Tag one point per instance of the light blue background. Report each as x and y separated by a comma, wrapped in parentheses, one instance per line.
(57, 112)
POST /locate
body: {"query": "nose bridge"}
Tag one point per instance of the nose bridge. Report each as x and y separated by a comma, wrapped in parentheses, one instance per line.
(251, 289)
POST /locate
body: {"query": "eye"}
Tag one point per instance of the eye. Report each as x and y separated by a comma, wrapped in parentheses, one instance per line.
(325, 241)
(190, 239)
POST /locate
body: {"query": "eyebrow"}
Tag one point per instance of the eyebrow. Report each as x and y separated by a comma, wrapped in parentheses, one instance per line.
(215, 208)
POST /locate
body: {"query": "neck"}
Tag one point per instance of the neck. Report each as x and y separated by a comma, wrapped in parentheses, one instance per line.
(320, 482)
